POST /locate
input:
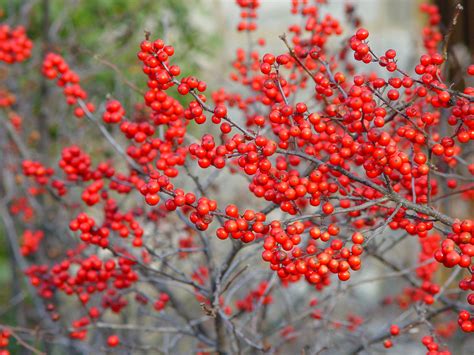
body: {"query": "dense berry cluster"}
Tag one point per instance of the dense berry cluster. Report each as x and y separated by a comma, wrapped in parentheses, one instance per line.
(91, 276)
(114, 112)
(15, 46)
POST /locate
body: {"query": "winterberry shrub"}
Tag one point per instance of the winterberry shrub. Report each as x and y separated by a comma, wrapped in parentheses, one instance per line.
(341, 162)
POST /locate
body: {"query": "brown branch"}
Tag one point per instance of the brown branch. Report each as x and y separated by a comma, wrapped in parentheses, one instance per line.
(403, 329)
(459, 8)
(25, 344)
(339, 210)
(457, 192)
(226, 287)
(392, 195)
(108, 136)
(305, 68)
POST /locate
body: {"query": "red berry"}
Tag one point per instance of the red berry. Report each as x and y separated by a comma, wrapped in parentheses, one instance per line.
(113, 340)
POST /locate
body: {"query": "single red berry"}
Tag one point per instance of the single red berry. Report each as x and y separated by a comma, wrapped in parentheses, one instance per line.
(113, 340)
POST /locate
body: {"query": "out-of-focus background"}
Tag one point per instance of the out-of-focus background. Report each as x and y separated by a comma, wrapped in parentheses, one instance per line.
(100, 39)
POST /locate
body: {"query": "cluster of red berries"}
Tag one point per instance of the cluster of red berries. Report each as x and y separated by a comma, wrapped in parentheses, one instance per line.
(248, 14)
(432, 346)
(289, 190)
(55, 68)
(154, 55)
(362, 51)
(449, 257)
(195, 111)
(186, 243)
(152, 188)
(79, 331)
(429, 69)
(315, 264)
(91, 194)
(208, 154)
(317, 26)
(431, 33)
(419, 228)
(466, 320)
(191, 83)
(360, 48)
(15, 46)
(246, 226)
(35, 169)
(202, 217)
(89, 232)
(424, 294)
(89, 276)
(258, 296)
(124, 224)
(458, 250)
(114, 112)
(30, 241)
(21, 207)
(5, 335)
(165, 111)
(201, 275)
(462, 114)
(75, 163)
(161, 302)
(7, 98)
(243, 69)
(139, 132)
